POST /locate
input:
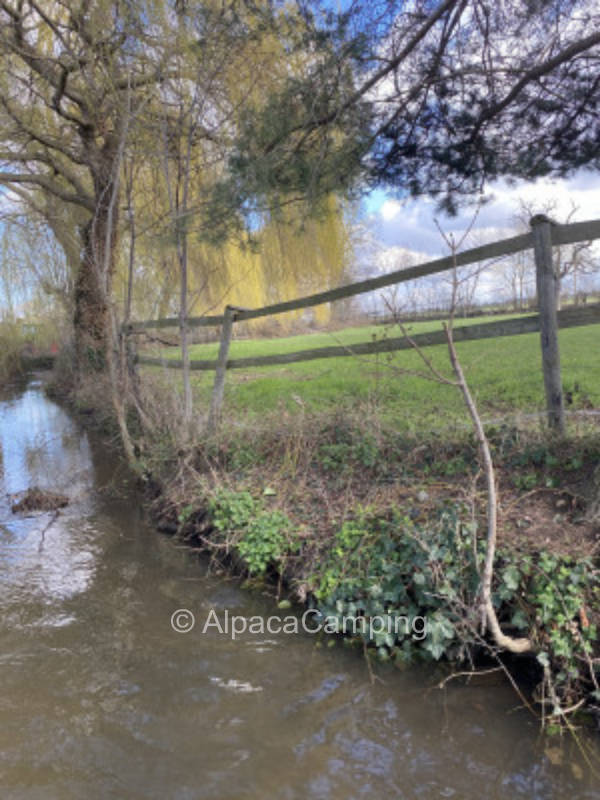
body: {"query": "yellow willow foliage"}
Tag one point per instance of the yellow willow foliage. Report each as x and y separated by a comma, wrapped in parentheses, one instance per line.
(287, 262)
(294, 256)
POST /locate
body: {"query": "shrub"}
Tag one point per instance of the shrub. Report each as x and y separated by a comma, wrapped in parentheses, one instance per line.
(260, 536)
(391, 567)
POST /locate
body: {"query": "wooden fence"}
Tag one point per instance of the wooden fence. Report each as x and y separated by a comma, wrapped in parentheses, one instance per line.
(544, 235)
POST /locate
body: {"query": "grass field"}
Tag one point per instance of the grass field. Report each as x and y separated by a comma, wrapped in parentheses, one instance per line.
(505, 375)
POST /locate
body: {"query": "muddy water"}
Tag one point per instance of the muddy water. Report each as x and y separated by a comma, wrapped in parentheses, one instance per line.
(101, 698)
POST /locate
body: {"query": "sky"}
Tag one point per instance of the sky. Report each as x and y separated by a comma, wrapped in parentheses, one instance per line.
(402, 232)
(395, 233)
(408, 225)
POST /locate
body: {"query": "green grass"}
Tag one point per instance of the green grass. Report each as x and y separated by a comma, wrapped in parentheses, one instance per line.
(289, 344)
(504, 374)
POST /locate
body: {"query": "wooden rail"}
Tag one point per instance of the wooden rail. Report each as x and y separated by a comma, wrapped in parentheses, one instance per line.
(543, 236)
(569, 318)
(561, 234)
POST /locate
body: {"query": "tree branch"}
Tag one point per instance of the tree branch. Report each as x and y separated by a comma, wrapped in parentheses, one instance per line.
(393, 64)
(52, 143)
(45, 158)
(506, 642)
(535, 73)
(7, 178)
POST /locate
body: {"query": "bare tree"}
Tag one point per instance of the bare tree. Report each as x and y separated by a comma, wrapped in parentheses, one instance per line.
(571, 262)
(518, 273)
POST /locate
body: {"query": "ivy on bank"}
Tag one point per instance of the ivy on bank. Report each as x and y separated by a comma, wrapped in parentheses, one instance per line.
(390, 567)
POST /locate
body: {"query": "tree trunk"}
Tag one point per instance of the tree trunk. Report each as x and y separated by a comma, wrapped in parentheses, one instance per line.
(93, 283)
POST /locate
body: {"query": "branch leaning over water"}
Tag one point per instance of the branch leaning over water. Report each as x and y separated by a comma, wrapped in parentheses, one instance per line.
(522, 645)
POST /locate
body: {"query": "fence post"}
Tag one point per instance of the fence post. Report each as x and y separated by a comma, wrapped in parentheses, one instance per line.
(547, 304)
(219, 385)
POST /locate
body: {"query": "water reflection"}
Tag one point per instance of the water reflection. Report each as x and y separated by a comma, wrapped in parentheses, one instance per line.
(41, 446)
(45, 557)
(101, 699)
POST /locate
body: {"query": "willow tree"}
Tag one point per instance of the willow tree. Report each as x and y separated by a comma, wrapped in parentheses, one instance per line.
(227, 62)
(72, 77)
(82, 84)
(76, 83)
(74, 80)
(283, 258)
(295, 103)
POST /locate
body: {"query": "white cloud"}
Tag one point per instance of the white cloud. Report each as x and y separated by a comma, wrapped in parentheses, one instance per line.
(390, 209)
(410, 224)
(403, 232)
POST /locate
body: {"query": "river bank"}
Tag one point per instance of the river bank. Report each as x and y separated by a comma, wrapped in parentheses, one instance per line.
(388, 528)
(343, 514)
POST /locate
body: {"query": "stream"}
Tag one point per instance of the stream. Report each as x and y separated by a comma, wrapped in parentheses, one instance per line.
(101, 697)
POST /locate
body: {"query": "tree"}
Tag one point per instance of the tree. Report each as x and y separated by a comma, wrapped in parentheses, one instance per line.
(571, 262)
(519, 276)
(88, 88)
(296, 103)
(80, 83)
(454, 93)
(508, 89)
(68, 76)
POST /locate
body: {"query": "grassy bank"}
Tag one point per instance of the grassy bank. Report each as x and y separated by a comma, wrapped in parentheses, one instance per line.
(346, 513)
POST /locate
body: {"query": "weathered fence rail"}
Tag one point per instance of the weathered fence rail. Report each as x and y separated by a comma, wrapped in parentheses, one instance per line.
(569, 318)
(544, 235)
(561, 234)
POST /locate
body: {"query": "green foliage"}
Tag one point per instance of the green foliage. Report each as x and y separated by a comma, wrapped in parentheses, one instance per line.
(457, 465)
(185, 514)
(548, 596)
(261, 536)
(392, 568)
(264, 541)
(244, 455)
(232, 511)
(360, 450)
(526, 481)
(559, 590)
(542, 463)
(576, 395)
(437, 462)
